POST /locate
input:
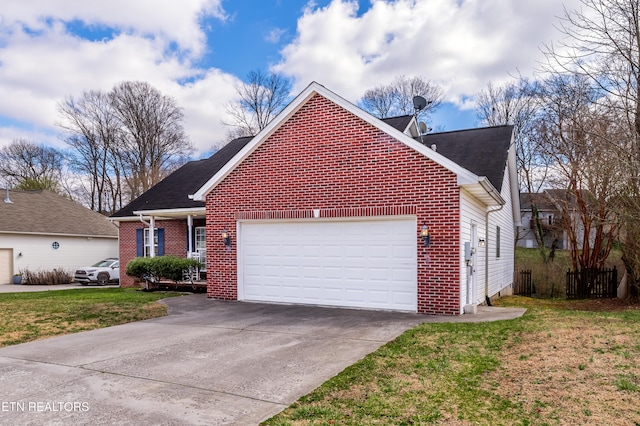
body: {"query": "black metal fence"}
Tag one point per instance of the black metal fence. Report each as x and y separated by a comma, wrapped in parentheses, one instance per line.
(524, 284)
(592, 283)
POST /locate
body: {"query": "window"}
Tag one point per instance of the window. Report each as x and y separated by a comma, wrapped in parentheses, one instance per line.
(201, 243)
(550, 220)
(497, 241)
(143, 242)
(147, 242)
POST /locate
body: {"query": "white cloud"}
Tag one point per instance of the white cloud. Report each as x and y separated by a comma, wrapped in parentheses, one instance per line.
(42, 62)
(461, 45)
(178, 21)
(275, 34)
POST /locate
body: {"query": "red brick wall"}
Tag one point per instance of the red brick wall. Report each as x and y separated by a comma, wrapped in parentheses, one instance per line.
(175, 243)
(325, 158)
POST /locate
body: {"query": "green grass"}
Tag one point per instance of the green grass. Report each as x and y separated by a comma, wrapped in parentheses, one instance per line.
(36, 315)
(528, 371)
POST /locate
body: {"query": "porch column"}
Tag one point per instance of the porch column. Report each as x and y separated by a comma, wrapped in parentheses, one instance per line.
(152, 236)
(189, 234)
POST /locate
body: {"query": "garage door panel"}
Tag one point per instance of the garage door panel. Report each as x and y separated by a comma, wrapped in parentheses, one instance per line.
(352, 263)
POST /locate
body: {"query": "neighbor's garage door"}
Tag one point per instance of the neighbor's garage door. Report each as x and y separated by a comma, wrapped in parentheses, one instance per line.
(6, 272)
(367, 264)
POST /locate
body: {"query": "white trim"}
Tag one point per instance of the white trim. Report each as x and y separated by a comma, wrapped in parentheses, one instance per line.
(169, 212)
(464, 176)
(515, 187)
(115, 237)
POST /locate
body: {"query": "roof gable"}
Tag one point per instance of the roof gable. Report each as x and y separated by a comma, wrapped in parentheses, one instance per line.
(479, 186)
(400, 123)
(44, 212)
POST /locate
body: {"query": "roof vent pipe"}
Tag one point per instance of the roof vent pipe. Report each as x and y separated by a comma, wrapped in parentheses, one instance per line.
(7, 199)
(434, 147)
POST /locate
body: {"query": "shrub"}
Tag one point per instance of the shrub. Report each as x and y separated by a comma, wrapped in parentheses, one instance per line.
(160, 267)
(55, 276)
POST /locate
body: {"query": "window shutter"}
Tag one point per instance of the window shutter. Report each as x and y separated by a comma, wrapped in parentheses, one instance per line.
(160, 241)
(139, 242)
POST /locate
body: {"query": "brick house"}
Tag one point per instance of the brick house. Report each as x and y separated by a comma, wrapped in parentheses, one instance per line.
(329, 205)
(177, 220)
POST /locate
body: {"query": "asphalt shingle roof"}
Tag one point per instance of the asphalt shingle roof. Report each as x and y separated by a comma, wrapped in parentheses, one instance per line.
(482, 151)
(173, 191)
(44, 212)
(400, 123)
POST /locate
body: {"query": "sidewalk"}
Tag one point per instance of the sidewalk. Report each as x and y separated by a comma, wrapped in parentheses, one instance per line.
(13, 288)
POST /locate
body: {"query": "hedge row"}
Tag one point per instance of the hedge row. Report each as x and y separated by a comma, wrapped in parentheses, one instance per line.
(160, 268)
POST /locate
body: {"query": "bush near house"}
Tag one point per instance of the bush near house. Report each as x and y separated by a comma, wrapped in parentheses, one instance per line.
(160, 268)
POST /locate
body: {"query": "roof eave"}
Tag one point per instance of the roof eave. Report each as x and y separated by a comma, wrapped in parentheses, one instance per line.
(168, 213)
(484, 191)
(58, 234)
(171, 212)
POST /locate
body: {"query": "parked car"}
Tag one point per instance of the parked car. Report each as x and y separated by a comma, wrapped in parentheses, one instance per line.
(102, 273)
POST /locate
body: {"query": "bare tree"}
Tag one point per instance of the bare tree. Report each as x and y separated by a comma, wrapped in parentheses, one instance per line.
(571, 126)
(124, 141)
(516, 104)
(602, 44)
(397, 98)
(151, 138)
(92, 131)
(260, 99)
(28, 166)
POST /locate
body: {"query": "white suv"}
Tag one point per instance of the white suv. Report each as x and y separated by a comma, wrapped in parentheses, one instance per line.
(101, 273)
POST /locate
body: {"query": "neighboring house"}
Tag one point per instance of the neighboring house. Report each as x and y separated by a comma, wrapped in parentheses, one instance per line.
(42, 231)
(329, 205)
(550, 217)
(555, 206)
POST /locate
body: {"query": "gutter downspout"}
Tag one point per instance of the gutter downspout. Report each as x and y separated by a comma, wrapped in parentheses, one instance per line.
(486, 253)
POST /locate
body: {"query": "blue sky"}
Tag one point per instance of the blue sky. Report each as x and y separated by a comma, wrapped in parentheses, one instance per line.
(196, 52)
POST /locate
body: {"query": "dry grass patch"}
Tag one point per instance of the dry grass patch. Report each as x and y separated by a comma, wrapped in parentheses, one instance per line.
(563, 363)
(580, 368)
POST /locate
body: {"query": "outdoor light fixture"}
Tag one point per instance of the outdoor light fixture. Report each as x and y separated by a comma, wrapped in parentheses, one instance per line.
(226, 238)
(482, 242)
(424, 233)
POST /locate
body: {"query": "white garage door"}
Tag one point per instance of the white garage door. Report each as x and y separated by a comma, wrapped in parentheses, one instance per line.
(6, 273)
(366, 264)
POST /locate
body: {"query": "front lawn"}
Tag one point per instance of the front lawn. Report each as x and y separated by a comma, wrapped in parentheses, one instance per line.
(563, 363)
(31, 316)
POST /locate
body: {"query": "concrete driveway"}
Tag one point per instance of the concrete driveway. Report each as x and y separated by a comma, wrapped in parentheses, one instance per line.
(208, 362)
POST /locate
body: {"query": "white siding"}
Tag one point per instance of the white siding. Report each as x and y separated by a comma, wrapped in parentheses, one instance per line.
(36, 252)
(501, 269)
(472, 212)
